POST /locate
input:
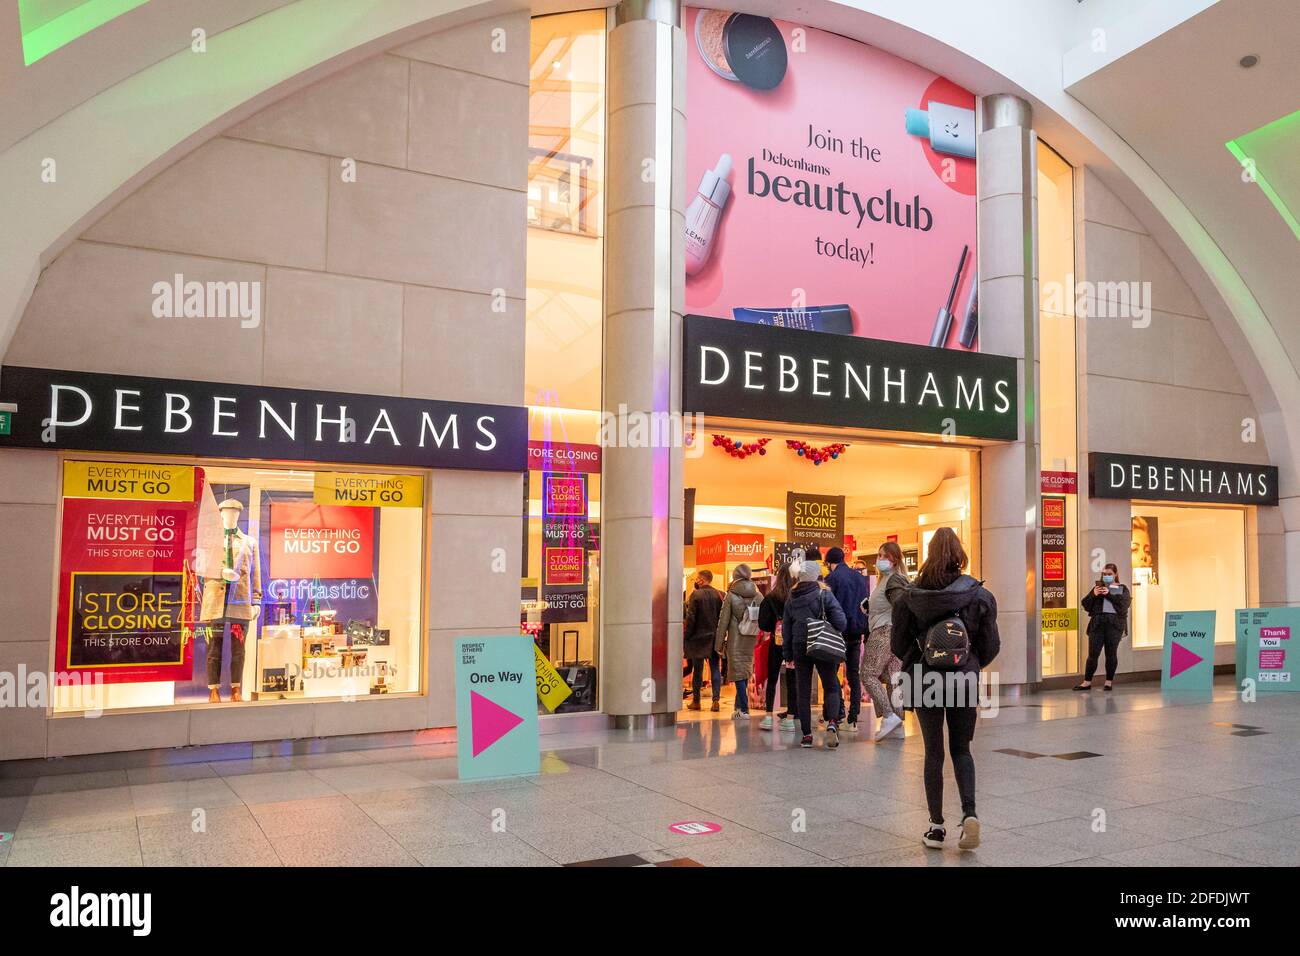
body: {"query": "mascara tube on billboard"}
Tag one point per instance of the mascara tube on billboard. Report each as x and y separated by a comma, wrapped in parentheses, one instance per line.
(943, 321)
(970, 323)
(814, 318)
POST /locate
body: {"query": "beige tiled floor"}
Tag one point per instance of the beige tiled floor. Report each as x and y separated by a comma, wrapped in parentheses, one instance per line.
(1171, 788)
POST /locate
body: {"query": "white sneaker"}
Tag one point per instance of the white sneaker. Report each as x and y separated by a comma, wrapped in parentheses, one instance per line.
(851, 726)
(888, 724)
(787, 725)
(765, 723)
(970, 834)
(740, 715)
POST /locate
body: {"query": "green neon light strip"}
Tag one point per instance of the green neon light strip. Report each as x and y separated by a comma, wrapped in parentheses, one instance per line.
(1234, 146)
(41, 37)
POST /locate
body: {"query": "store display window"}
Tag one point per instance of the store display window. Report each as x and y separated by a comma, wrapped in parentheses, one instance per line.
(200, 584)
(563, 367)
(1186, 559)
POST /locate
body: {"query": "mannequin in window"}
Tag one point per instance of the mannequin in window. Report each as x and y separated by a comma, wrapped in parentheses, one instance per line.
(231, 601)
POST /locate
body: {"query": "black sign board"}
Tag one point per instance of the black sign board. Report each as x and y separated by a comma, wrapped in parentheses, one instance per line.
(743, 370)
(89, 411)
(1181, 479)
(814, 519)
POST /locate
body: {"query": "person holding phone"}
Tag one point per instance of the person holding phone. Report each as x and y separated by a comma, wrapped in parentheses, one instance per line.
(1107, 608)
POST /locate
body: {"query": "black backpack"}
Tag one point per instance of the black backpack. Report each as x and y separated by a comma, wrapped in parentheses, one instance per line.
(946, 646)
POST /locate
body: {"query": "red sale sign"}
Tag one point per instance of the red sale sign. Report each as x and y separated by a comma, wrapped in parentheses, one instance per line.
(565, 566)
(308, 540)
(125, 610)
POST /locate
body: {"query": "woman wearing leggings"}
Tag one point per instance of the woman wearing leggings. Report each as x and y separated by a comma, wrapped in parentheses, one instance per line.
(943, 693)
(769, 616)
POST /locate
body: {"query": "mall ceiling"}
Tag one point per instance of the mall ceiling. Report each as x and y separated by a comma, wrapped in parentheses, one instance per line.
(1180, 98)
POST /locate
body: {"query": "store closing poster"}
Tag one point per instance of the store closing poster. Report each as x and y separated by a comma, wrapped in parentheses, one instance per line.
(566, 539)
(850, 168)
(126, 602)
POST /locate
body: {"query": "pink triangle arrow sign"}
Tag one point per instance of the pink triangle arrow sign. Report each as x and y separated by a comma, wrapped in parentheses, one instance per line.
(489, 721)
(1180, 659)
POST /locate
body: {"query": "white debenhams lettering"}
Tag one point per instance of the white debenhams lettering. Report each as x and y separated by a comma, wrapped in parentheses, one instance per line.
(492, 439)
(820, 374)
(974, 398)
(131, 910)
(171, 411)
(1116, 475)
(899, 383)
(704, 365)
(750, 367)
(218, 415)
(865, 389)
(426, 424)
(341, 421)
(54, 421)
(787, 366)
(931, 387)
(1004, 400)
(1263, 484)
(120, 406)
(386, 427)
(290, 427)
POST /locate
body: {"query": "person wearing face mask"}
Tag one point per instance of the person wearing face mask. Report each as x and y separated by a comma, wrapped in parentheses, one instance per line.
(1107, 608)
(877, 658)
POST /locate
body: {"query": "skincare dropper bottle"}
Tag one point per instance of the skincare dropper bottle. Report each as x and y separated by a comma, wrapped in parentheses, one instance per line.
(704, 212)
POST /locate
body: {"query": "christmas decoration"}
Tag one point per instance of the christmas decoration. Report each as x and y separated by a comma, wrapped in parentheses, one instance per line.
(813, 453)
(738, 449)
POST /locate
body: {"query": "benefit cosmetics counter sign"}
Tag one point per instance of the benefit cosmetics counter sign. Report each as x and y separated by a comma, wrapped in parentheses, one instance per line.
(125, 608)
(834, 185)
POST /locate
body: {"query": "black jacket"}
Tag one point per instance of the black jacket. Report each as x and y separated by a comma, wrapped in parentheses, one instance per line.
(1104, 623)
(769, 613)
(919, 608)
(701, 625)
(808, 600)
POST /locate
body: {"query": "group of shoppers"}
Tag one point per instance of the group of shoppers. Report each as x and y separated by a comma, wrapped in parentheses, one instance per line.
(894, 639)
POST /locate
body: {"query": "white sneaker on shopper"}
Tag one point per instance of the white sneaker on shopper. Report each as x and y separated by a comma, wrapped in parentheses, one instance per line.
(765, 723)
(851, 726)
(888, 724)
(740, 715)
(787, 725)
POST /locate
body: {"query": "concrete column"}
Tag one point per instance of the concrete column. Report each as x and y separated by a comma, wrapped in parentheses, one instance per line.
(641, 501)
(1008, 273)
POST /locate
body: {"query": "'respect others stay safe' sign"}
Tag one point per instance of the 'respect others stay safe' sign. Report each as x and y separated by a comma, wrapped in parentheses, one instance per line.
(496, 707)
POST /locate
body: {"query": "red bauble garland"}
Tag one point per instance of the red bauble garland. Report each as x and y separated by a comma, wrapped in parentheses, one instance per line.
(813, 453)
(738, 449)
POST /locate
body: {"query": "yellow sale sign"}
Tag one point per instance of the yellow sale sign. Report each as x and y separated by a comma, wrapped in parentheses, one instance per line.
(551, 688)
(126, 481)
(368, 491)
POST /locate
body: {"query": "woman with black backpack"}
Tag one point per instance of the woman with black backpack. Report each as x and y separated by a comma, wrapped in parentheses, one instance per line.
(945, 630)
(812, 606)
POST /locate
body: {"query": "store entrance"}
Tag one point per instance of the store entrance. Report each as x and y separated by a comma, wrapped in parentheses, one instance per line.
(855, 494)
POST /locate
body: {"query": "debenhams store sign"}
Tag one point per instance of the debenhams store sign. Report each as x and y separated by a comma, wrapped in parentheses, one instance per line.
(92, 412)
(741, 370)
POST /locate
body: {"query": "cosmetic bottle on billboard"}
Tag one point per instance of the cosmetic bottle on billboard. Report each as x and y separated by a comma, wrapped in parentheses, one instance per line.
(704, 212)
(950, 129)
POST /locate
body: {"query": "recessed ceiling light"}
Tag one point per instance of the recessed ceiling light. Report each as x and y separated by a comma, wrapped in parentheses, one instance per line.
(1249, 60)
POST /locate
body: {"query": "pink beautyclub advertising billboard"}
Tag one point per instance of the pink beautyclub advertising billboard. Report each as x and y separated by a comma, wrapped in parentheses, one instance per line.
(833, 185)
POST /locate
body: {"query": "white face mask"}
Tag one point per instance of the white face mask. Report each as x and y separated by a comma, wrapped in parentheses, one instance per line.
(884, 566)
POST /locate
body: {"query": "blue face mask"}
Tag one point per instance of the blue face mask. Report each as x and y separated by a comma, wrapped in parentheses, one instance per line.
(1108, 579)
(884, 566)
